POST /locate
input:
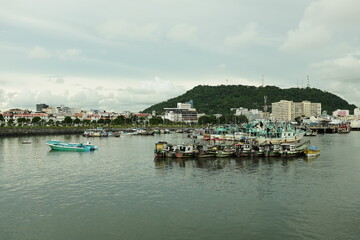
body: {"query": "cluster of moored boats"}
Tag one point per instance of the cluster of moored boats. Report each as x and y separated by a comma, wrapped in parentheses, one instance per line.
(259, 139)
(100, 132)
(245, 148)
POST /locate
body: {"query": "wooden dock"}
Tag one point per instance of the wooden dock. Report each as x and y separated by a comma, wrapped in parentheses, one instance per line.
(325, 129)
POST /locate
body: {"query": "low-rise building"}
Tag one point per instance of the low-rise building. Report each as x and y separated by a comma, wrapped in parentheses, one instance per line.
(184, 112)
(357, 112)
(251, 114)
(340, 113)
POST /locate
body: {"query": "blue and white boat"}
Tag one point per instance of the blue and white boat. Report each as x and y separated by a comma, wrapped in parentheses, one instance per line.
(73, 147)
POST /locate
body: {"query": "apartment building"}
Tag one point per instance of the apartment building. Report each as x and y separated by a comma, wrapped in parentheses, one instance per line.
(289, 110)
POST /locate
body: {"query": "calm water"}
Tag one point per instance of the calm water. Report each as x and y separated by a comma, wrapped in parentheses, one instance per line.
(120, 192)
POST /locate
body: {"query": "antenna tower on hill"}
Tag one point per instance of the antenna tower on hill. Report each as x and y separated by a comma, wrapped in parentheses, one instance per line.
(265, 104)
(308, 81)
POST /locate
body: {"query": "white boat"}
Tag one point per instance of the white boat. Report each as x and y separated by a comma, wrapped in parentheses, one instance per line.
(96, 132)
(283, 137)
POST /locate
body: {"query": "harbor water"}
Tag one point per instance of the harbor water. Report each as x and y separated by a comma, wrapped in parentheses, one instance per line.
(121, 192)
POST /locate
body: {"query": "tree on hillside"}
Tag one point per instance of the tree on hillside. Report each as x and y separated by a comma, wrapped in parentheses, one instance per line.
(220, 99)
(155, 121)
(119, 120)
(207, 119)
(241, 119)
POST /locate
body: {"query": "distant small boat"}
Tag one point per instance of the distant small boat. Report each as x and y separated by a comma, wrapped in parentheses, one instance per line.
(97, 132)
(73, 147)
(344, 128)
(310, 133)
(312, 151)
(26, 142)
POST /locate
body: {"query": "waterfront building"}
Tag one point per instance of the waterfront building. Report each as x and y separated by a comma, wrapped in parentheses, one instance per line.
(184, 112)
(41, 106)
(17, 111)
(340, 113)
(240, 111)
(289, 110)
(251, 114)
(30, 116)
(283, 110)
(50, 110)
(357, 112)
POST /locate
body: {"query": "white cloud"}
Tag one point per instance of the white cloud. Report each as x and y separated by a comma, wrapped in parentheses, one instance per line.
(69, 53)
(322, 20)
(341, 75)
(253, 34)
(343, 67)
(43, 53)
(151, 91)
(40, 52)
(136, 98)
(183, 33)
(248, 36)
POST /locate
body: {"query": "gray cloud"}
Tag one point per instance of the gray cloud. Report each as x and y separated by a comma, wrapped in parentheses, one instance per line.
(105, 55)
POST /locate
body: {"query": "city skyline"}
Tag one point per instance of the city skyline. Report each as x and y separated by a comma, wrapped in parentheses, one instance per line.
(127, 56)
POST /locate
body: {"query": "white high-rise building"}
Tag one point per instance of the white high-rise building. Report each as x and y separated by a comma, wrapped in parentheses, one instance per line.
(289, 110)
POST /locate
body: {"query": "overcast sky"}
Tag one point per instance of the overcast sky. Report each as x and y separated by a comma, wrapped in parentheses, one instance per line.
(120, 55)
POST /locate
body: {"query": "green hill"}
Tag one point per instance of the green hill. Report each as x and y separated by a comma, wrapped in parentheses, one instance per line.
(220, 99)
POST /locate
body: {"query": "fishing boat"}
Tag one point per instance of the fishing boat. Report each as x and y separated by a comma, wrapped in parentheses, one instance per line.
(344, 128)
(312, 151)
(243, 149)
(283, 137)
(184, 150)
(258, 151)
(293, 149)
(274, 151)
(73, 147)
(274, 133)
(204, 151)
(164, 149)
(225, 151)
(160, 149)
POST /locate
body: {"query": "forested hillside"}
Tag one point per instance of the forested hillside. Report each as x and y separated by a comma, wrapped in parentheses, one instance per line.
(220, 99)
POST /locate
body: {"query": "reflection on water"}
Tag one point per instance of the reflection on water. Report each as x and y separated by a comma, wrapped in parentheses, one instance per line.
(247, 164)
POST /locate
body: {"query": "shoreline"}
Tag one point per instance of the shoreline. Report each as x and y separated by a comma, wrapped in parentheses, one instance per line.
(70, 130)
(39, 131)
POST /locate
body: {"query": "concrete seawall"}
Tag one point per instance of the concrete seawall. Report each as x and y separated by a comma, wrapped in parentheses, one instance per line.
(37, 131)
